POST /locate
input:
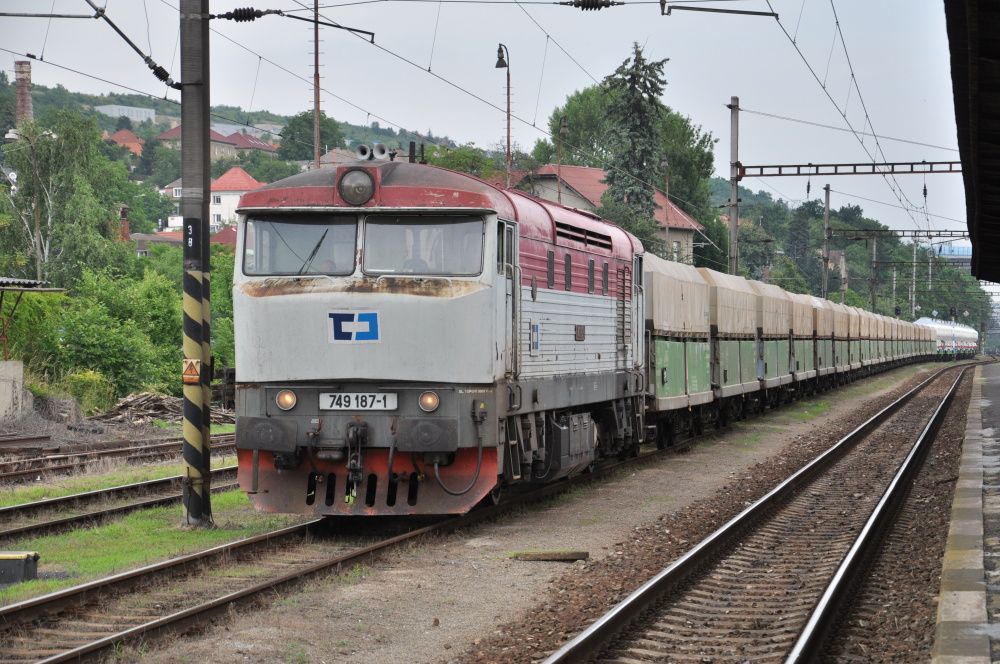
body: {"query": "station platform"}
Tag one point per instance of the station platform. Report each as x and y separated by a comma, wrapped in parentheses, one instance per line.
(968, 619)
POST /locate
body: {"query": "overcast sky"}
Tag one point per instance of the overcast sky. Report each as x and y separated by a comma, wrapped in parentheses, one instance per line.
(898, 48)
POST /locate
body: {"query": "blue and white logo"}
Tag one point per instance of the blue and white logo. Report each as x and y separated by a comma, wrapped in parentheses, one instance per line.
(354, 327)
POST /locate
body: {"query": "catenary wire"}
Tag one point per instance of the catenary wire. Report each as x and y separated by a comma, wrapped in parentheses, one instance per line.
(811, 123)
(843, 115)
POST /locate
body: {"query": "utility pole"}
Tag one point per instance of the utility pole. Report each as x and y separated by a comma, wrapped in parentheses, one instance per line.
(665, 163)
(894, 288)
(316, 151)
(563, 130)
(874, 267)
(913, 283)
(826, 240)
(734, 186)
(195, 190)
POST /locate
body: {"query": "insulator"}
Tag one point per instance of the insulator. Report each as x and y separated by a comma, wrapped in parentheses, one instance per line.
(925, 191)
(808, 187)
(244, 14)
(591, 5)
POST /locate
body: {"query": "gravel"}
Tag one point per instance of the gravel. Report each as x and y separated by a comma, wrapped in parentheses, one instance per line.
(894, 616)
(576, 599)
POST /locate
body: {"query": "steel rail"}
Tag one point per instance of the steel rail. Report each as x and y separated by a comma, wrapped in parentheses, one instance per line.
(813, 637)
(166, 445)
(55, 602)
(65, 522)
(90, 592)
(594, 638)
(138, 454)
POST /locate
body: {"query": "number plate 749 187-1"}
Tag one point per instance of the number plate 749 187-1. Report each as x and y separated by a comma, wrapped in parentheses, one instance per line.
(357, 401)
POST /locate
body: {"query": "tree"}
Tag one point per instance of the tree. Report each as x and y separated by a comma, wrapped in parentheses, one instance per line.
(297, 136)
(635, 222)
(636, 110)
(64, 212)
(123, 123)
(7, 105)
(586, 141)
(787, 275)
(465, 159)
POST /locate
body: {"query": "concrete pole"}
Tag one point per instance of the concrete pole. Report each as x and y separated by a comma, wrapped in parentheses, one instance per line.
(316, 132)
(195, 192)
(666, 208)
(508, 117)
(913, 283)
(894, 289)
(734, 191)
(874, 262)
(826, 240)
(563, 130)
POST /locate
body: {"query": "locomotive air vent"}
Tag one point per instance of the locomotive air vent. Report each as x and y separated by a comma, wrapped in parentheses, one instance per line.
(590, 238)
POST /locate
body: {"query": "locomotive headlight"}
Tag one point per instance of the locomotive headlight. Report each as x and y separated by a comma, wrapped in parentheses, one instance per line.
(429, 402)
(285, 399)
(356, 187)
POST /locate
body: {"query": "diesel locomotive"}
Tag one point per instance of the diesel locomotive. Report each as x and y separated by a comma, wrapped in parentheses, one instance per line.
(409, 340)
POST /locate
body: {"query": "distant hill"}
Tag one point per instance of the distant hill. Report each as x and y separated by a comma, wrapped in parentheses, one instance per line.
(48, 99)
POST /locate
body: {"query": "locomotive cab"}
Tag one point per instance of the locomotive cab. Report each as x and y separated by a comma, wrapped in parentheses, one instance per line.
(408, 337)
(369, 343)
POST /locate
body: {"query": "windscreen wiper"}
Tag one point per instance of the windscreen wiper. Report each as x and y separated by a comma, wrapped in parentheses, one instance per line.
(312, 254)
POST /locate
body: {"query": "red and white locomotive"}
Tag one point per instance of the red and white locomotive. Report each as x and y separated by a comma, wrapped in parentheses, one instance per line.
(409, 339)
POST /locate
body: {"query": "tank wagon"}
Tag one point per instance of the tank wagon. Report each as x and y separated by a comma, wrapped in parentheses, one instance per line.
(953, 340)
(409, 340)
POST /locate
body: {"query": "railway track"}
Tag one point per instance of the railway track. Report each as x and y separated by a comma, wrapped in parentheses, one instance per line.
(27, 469)
(37, 518)
(768, 585)
(102, 614)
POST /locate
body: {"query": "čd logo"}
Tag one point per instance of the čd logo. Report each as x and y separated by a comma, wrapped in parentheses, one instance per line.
(354, 327)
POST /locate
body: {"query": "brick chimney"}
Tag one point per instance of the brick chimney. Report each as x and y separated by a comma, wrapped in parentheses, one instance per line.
(123, 229)
(22, 77)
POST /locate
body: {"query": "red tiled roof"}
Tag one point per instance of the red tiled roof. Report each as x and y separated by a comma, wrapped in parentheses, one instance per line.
(226, 236)
(248, 142)
(588, 182)
(175, 135)
(235, 179)
(127, 139)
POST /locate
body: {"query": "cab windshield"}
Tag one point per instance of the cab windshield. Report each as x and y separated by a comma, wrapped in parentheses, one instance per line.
(423, 244)
(300, 245)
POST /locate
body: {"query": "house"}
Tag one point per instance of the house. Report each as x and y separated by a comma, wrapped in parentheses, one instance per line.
(136, 114)
(246, 143)
(128, 140)
(221, 146)
(226, 192)
(226, 236)
(582, 187)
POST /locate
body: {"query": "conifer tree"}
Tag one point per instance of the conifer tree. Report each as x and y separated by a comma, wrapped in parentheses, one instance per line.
(635, 115)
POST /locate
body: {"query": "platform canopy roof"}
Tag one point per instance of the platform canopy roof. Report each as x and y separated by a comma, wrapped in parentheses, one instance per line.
(974, 42)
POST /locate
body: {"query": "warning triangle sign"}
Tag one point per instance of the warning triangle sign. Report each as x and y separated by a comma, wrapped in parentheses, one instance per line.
(191, 375)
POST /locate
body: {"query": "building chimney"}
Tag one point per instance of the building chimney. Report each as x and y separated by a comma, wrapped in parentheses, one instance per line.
(22, 76)
(123, 229)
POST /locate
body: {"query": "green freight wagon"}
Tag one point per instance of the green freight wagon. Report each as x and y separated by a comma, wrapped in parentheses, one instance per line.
(773, 318)
(732, 316)
(678, 328)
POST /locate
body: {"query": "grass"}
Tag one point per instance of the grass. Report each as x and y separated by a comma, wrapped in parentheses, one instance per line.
(137, 539)
(64, 486)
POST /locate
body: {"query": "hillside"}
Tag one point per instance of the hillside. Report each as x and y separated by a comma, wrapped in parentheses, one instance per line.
(48, 99)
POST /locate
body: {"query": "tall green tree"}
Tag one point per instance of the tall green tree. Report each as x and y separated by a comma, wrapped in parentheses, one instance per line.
(636, 113)
(297, 136)
(63, 215)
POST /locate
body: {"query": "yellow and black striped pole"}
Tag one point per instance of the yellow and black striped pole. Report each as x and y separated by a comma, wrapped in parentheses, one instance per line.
(195, 192)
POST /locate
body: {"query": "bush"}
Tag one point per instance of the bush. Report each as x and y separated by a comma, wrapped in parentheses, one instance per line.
(91, 389)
